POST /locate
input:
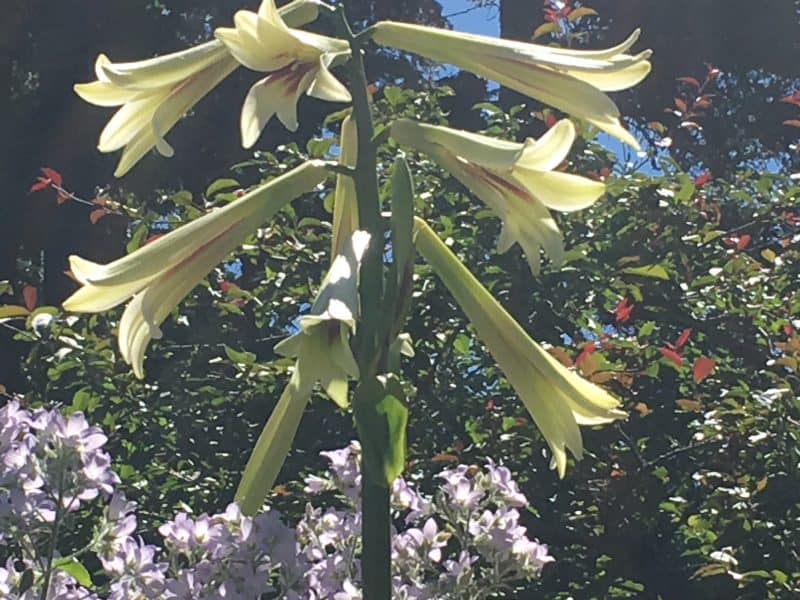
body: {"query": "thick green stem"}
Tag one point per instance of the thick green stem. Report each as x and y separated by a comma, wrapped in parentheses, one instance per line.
(376, 523)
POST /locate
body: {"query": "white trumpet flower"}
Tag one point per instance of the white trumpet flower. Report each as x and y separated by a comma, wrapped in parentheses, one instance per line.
(297, 62)
(558, 399)
(571, 80)
(516, 180)
(157, 276)
(154, 94)
(321, 349)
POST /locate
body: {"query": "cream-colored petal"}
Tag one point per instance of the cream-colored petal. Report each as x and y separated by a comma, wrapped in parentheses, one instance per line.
(550, 150)
(557, 399)
(557, 79)
(480, 149)
(185, 96)
(256, 206)
(164, 70)
(93, 299)
(315, 44)
(255, 48)
(326, 87)
(561, 191)
(128, 121)
(271, 449)
(103, 93)
(143, 317)
(263, 100)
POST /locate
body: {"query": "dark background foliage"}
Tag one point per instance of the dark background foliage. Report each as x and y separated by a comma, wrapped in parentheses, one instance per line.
(700, 234)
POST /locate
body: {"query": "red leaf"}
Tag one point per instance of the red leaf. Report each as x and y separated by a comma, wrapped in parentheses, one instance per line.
(42, 183)
(227, 286)
(588, 350)
(62, 197)
(684, 337)
(703, 179)
(681, 105)
(98, 214)
(703, 102)
(30, 295)
(788, 329)
(672, 356)
(703, 367)
(792, 122)
(743, 242)
(550, 119)
(623, 310)
(52, 175)
(689, 81)
(793, 99)
(713, 73)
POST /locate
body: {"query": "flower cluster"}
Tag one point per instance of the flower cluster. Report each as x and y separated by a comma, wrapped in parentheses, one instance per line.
(50, 466)
(464, 537)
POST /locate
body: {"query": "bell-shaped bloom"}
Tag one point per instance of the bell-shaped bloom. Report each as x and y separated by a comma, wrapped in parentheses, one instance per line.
(574, 81)
(558, 399)
(154, 94)
(345, 203)
(297, 62)
(157, 276)
(516, 180)
(322, 344)
(321, 349)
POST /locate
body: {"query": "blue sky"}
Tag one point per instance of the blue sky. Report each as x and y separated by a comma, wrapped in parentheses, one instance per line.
(478, 20)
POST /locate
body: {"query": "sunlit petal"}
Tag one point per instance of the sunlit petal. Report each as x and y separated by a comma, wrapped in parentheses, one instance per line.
(557, 399)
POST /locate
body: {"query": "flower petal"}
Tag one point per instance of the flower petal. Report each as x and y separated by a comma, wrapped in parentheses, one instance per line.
(326, 87)
(164, 70)
(561, 191)
(271, 449)
(256, 206)
(483, 150)
(550, 150)
(557, 399)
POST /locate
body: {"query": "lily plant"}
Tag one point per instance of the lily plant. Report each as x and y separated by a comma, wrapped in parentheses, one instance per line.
(351, 341)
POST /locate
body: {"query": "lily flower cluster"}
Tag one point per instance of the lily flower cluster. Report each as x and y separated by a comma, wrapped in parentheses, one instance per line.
(520, 181)
(467, 532)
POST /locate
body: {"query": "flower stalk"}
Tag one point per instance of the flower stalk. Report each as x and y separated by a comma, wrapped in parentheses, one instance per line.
(376, 524)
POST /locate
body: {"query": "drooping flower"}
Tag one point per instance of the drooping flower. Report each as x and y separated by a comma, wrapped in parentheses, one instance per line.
(557, 399)
(321, 349)
(154, 94)
(297, 62)
(574, 81)
(516, 180)
(159, 275)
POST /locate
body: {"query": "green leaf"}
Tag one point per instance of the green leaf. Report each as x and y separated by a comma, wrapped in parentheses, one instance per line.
(647, 329)
(393, 94)
(318, 147)
(462, 344)
(219, 185)
(650, 271)
(381, 420)
(9, 311)
(73, 568)
(240, 357)
(182, 198)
